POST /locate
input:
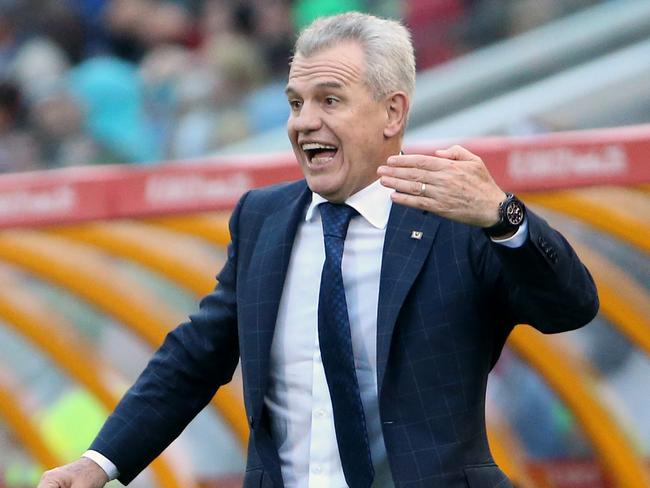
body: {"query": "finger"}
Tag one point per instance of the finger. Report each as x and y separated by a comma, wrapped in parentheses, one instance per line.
(414, 201)
(419, 161)
(49, 483)
(403, 186)
(457, 153)
(405, 173)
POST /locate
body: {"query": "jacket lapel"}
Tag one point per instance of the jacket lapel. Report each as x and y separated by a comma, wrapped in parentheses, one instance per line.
(271, 260)
(409, 236)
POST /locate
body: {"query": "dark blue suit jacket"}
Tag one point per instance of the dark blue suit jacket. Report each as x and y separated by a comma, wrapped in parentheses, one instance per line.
(447, 303)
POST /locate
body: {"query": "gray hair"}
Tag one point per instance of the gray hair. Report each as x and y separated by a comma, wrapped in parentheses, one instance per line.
(389, 57)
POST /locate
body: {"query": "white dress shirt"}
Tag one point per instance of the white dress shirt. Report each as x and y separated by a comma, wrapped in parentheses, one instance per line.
(298, 399)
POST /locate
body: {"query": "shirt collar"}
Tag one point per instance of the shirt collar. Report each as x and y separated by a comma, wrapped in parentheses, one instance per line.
(372, 202)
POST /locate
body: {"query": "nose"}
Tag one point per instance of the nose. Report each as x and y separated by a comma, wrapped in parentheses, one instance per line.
(307, 119)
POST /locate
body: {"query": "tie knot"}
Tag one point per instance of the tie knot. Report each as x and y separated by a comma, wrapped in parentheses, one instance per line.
(336, 218)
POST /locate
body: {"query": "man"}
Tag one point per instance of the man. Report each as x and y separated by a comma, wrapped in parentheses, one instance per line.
(364, 356)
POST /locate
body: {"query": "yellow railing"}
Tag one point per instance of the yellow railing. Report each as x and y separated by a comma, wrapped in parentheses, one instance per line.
(78, 258)
(15, 413)
(57, 340)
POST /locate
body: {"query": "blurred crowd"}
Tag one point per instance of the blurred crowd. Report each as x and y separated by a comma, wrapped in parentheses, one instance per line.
(112, 81)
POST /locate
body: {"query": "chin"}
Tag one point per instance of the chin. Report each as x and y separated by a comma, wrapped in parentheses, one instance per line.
(333, 195)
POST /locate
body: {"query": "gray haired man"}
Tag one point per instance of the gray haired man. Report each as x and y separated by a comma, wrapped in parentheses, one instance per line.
(367, 303)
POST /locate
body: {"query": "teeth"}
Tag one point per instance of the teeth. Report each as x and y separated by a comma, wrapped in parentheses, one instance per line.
(316, 145)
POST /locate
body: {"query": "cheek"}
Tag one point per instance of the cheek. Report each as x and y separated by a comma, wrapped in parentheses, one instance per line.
(291, 131)
(366, 139)
(369, 126)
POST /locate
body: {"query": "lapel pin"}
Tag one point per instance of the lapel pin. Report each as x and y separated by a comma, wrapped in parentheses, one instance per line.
(416, 234)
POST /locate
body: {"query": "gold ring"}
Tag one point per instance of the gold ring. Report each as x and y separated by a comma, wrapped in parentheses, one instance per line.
(423, 188)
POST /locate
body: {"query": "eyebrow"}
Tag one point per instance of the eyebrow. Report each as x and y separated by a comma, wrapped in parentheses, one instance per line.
(325, 84)
(330, 84)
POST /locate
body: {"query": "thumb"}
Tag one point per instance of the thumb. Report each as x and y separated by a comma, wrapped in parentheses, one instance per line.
(457, 153)
(51, 483)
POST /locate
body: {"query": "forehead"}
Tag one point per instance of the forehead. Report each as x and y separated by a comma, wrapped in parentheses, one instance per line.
(341, 64)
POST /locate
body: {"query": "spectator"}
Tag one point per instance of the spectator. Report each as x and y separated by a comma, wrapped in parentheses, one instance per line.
(39, 64)
(18, 150)
(110, 94)
(57, 123)
(305, 11)
(431, 23)
(184, 77)
(212, 114)
(165, 71)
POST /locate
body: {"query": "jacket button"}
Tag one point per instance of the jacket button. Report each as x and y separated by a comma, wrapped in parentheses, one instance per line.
(546, 247)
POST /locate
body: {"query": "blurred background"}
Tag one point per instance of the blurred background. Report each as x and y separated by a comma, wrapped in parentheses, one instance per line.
(124, 81)
(142, 82)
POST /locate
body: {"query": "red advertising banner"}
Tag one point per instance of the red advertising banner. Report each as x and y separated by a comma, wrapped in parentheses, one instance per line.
(545, 162)
(565, 159)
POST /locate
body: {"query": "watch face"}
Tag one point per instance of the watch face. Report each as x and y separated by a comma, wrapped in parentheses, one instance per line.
(514, 213)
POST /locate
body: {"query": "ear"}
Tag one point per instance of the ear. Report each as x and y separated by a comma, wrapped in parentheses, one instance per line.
(397, 107)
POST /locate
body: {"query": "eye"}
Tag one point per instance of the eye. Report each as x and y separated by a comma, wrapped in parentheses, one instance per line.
(295, 104)
(331, 100)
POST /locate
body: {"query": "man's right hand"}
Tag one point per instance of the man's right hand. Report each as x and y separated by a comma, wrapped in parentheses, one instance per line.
(82, 473)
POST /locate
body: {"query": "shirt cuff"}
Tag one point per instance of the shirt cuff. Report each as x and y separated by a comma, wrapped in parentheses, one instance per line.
(109, 468)
(516, 240)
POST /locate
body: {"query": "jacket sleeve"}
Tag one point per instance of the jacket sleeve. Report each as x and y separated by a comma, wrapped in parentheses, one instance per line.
(543, 283)
(183, 375)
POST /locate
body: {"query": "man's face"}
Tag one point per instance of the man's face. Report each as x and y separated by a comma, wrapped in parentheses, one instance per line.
(335, 126)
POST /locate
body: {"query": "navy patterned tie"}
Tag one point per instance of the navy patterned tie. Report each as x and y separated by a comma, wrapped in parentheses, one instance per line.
(336, 352)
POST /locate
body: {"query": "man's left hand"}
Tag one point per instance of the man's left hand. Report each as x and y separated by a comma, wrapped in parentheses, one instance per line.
(454, 184)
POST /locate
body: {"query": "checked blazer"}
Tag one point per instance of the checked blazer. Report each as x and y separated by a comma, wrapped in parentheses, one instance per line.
(447, 303)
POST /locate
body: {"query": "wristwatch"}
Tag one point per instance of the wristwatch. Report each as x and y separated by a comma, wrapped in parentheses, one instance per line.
(512, 212)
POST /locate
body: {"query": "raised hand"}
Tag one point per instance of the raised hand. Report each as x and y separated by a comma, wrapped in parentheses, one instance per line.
(82, 473)
(454, 183)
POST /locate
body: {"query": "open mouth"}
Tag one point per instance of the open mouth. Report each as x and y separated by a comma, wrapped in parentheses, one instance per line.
(319, 153)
